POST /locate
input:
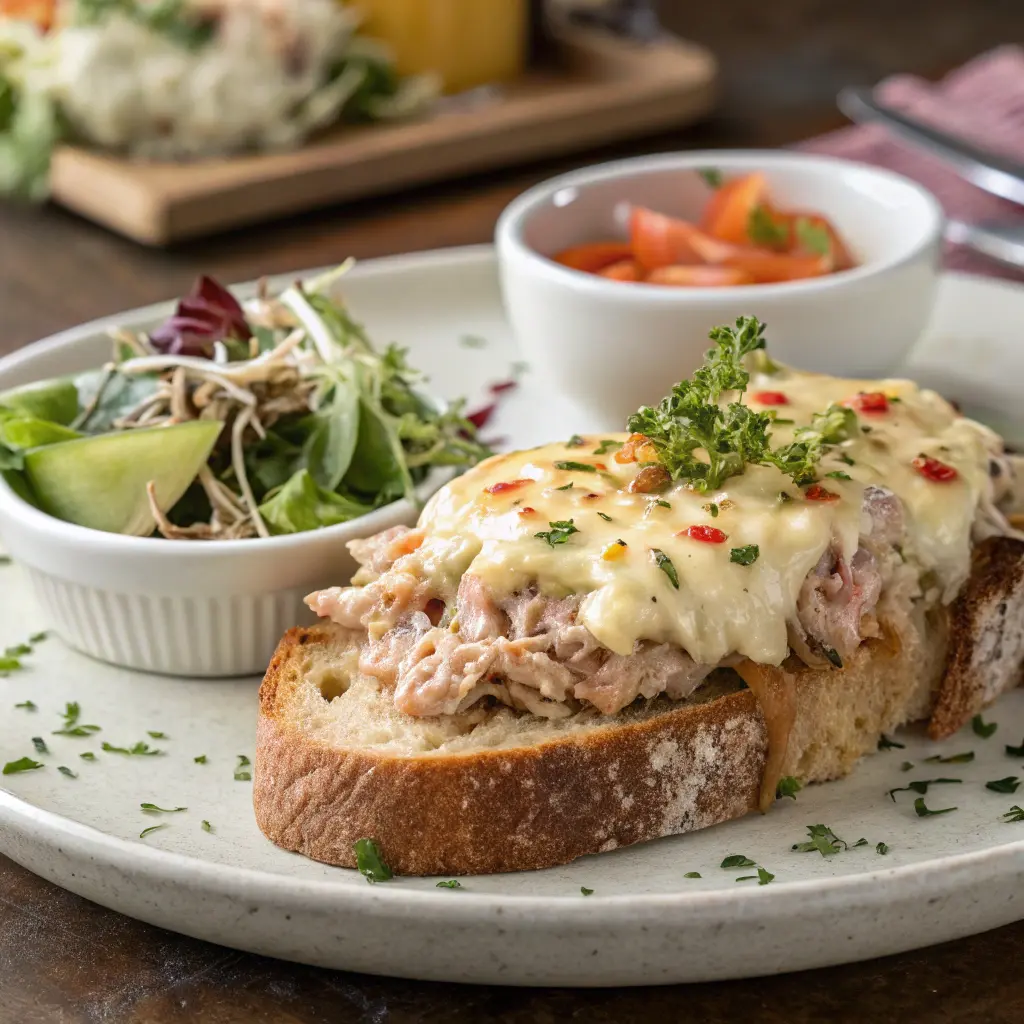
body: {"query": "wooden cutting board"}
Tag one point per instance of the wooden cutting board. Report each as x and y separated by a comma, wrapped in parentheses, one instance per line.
(598, 88)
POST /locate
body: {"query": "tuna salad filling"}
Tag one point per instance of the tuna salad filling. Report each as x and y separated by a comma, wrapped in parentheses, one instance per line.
(442, 653)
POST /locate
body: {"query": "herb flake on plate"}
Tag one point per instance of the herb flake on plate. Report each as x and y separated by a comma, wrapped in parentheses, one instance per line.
(964, 758)
(924, 812)
(664, 563)
(982, 728)
(71, 726)
(242, 774)
(148, 808)
(370, 862)
(1008, 785)
(152, 828)
(23, 764)
(788, 786)
(1015, 813)
(27, 705)
(746, 555)
(920, 786)
(64, 770)
(884, 743)
(140, 749)
(738, 860)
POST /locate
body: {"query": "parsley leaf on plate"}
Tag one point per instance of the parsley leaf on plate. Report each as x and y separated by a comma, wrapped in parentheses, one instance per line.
(1015, 813)
(64, 770)
(1008, 785)
(369, 861)
(23, 764)
(884, 743)
(788, 786)
(982, 728)
(920, 786)
(738, 860)
(964, 758)
(924, 812)
(71, 726)
(586, 891)
(1015, 751)
(692, 874)
(40, 744)
(140, 749)
(27, 705)
(881, 848)
(153, 809)
(152, 828)
(206, 826)
(822, 839)
(241, 772)
(452, 883)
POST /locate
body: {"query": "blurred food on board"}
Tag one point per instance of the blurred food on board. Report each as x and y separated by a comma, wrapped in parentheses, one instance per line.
(183, 79)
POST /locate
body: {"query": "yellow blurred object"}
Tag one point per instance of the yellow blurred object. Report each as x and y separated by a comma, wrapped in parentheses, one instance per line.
(467, 42)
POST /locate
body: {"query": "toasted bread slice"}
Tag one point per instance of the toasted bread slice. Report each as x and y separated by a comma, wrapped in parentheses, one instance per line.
(336, 762)
(986, 650)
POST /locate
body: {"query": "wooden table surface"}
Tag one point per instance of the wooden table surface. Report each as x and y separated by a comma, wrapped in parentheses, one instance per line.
(64, 959)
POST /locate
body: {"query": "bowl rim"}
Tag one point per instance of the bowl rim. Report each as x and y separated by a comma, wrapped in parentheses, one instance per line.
(512, 222)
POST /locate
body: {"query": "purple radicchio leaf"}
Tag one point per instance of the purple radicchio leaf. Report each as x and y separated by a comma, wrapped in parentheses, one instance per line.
(207, 314)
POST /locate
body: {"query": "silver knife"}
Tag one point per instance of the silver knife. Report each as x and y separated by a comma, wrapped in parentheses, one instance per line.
(992, 172)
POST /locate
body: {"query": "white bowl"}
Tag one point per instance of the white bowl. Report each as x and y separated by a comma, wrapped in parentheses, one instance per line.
(195, 608)
(613, 346)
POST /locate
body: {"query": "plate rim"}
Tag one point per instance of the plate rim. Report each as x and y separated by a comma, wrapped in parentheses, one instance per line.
(870, 887)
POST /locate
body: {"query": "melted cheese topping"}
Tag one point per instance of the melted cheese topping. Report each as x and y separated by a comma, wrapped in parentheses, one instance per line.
(720, 607)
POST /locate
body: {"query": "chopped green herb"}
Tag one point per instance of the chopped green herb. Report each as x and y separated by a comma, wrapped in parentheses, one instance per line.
(833, 655)
(575, 441)
(27, 705)
(838, 474)
(586, 891)
(823, 839)
(66, 771)
(881, 848)
(23, 764)
(452, 883)
(71, 727)
(781, 420)
(964, 758)
(576, 467)
(152, 828)
(201, 759)
(369, 861)
(157, 735)
(1015, 813)
(982, 728)
(1007, 785)
(813, 236)
(5, 560)
(692, 874)
(88, 756)
(606, 518)
(764, 229)
(746, 878)
(140, 749)
(1015, 751)
(711, 176)
(738, 860)
(860, 842)
(565, 487)
(17, 651)
(607, 446)
(38, 638)
(561, 530)
(9, 665)
(788, 786)
(153, 809)
(712, 509)
(661, 503)
(664, 563)
(843, 457)
(206, 826)
(924, 812)
(472, 341)
(884, 743)
(241, 775)
(40, 744)
(764, 877)
(746, 555)
(921, 786)
(906, 766)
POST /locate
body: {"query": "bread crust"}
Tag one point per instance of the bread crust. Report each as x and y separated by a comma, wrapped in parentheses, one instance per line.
(986, 656)
(527, 807)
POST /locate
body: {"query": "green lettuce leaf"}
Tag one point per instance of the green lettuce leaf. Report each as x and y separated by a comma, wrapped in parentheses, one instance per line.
(301, 505)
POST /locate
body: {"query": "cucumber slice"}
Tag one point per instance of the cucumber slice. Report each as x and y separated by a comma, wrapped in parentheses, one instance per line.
(53, 400)
(100, 481)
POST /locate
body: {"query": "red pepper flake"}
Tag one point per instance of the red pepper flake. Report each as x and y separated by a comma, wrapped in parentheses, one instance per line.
(527, 511)
(507, 485)
(868, 401)
(932, 469)
(707, 534)
(601, 466)
(770, 398)
(818, 493)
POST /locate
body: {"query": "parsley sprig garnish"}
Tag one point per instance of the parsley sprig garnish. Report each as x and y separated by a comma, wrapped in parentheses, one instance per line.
(561, 530)
(72, 727)
(690, 420)
(370, 862)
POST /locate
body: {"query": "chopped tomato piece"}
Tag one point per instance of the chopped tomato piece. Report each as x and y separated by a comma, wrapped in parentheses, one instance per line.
(593, 256)
(623, 270)
(660, 241)
(818, 493)
(933, 469)
(873, 402)
(699, 277)
(767, 267)
(507, 485)
(527, 511)
(707, 534)
(770, 398)
(728, 212)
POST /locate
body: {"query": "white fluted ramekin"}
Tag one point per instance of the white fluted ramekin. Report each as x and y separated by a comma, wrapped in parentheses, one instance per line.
(191, 608)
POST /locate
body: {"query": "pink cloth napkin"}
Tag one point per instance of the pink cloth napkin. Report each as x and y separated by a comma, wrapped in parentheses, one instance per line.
(982, 101)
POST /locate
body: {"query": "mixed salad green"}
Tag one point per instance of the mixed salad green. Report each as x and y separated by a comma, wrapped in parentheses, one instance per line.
(231, 422)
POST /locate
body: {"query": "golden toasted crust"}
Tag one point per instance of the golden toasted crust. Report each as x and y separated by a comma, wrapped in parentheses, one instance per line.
(680, 768)
(986, 655)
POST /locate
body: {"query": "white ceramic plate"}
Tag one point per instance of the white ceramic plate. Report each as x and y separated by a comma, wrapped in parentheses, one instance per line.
(943, 877)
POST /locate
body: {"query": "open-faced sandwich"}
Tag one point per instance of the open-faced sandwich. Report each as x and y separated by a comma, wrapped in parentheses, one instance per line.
(621, 637)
